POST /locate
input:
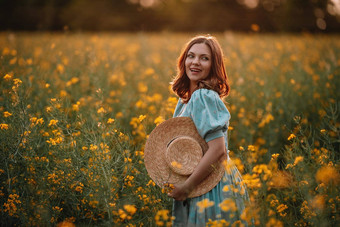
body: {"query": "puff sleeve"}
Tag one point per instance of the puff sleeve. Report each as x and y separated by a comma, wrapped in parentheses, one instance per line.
(209, 114)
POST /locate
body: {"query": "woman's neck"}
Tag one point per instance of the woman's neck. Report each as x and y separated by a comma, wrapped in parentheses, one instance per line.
(193, 86)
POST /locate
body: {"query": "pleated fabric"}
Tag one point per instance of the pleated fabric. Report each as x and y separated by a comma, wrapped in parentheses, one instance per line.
(226, 201)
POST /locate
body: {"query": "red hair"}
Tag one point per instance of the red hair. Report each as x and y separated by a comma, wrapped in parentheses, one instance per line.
(217, 79)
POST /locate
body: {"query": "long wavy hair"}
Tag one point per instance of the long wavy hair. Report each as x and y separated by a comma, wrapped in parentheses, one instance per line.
(217, 79)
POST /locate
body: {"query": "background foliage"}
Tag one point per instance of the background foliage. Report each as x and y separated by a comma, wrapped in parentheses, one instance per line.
(75, 110)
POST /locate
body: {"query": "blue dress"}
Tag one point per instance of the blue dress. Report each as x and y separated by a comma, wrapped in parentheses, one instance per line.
(225, 203)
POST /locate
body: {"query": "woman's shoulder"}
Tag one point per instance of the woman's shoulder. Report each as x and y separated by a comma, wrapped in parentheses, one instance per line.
(203, 93)
(208, 99)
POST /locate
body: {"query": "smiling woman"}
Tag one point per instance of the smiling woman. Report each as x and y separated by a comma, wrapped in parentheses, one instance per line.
(201, 82)
(201, 65)
(198, 64)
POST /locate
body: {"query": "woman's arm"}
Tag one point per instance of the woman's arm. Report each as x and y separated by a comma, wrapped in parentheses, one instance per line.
(202, 170)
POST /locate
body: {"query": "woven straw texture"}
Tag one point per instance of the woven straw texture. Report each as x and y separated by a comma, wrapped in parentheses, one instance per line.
(173, 150)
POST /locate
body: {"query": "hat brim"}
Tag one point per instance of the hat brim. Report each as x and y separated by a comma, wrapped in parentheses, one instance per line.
(154, 155)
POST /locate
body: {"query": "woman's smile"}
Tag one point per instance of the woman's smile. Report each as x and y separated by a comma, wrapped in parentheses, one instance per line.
(198, 63)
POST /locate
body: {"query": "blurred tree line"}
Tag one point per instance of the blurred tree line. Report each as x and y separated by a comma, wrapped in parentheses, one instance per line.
(171, 15)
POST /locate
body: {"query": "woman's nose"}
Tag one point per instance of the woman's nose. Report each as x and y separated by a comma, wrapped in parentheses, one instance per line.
(196, 61)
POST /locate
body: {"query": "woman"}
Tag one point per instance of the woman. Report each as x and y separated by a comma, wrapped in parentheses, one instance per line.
(201, 82)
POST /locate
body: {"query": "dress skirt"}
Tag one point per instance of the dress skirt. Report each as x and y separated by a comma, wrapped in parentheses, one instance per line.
(224, 204)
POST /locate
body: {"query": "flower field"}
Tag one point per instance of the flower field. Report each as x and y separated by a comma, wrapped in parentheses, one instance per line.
(76, 109)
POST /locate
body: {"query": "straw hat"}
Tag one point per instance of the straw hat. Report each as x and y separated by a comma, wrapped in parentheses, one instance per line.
(173, 150)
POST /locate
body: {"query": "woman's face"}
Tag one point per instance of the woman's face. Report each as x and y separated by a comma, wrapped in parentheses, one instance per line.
(198, 62)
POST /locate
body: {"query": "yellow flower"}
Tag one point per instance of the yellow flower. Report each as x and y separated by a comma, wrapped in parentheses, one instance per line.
(110, 121)
(291, 136)
(130, 209)
(63, 93)
(151, 182)
(29, 61)
(228, 205)
(123, 215)
(53, 122)
(297, 160)
(60, 68)
(84, 148)
(274, 156)
(141, 118)
(280, 179)
(5, 51)
(269, 117)
(327, 174)
(75, 107)
(176, 165)
(251, 148)
(149, 71)
(159, 120)
(205, 203)
(17, 81)
(11, 204)
(142, 88)
(56, 208)
(274, 223)
(73, 80)
(119, 115)
(101, 110)
(225, 188)
(281, 208)
(318, 202)
(93, 147)
(7, 114)
(79, 188)
(161, 216)
(7, 77)
(4, 126)
(13, 61)
(65, 224)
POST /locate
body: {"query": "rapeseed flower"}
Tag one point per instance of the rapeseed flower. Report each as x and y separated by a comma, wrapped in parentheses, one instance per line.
(13, 61)
(205, 203)
(7, 77)
(159, 120)
(176, 165)
(297, 160)
(11, 206)
(162, 217)
(274, 223)
(53, 122)
(291, 136)
(7, 114)
(141, 118)
(131, 209)
(327, 175)
(110, 121)
(17, 81)
(228, 205)
(4, 126)
(65, 224)
(281, 208)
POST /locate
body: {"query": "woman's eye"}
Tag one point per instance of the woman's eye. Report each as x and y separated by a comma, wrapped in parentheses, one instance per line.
(190, 56)
(205, 58)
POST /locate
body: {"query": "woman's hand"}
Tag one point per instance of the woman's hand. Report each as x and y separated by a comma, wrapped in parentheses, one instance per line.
(180, 192)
